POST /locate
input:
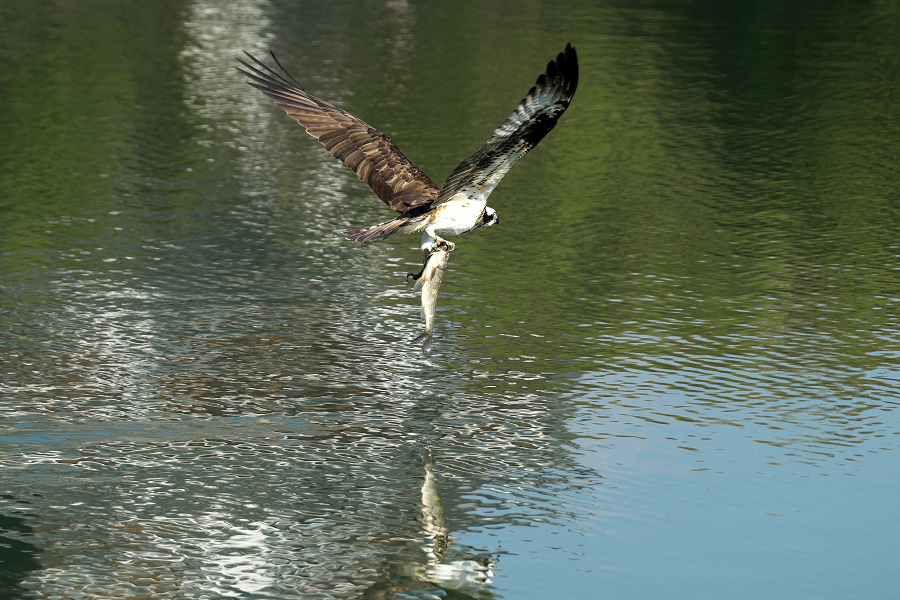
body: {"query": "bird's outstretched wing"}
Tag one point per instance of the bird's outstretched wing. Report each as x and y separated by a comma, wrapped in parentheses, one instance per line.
(533, 118)
(371, 154)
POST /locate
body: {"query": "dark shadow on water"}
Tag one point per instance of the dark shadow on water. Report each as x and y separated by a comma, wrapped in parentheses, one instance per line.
(18, 556)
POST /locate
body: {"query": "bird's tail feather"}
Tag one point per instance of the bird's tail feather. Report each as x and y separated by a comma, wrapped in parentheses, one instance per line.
(376, 232)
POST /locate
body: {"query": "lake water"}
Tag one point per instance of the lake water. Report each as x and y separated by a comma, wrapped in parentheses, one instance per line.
(671, 371)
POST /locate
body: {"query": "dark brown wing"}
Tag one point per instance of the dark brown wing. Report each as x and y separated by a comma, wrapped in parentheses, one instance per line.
(533, 118)
(371, 154)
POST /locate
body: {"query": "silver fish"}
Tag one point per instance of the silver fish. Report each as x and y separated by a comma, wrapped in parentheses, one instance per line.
(430, 282)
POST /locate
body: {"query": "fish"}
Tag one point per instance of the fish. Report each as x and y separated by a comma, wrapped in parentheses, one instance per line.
(429, 280)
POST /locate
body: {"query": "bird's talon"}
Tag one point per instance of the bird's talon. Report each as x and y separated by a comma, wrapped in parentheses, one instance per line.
(440, 244)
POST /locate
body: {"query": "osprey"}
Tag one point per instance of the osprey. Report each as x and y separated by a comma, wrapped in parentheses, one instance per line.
(460, 205)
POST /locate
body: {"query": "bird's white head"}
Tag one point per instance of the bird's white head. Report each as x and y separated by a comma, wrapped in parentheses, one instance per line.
(487, 218)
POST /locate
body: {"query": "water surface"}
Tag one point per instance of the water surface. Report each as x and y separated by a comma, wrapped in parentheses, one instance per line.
(671, 371)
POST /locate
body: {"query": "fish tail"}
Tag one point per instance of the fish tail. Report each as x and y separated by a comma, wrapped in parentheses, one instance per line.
(376, 232)
(425, 339)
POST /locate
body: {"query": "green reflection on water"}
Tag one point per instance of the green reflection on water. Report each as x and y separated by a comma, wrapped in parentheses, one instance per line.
(94, 113)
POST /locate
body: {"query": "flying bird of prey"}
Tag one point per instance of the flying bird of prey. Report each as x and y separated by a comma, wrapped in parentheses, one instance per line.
(460, 205)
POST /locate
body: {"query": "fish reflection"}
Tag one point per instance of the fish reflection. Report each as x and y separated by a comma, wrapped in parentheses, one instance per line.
(443, 566)
(433, 515)
(454, 574)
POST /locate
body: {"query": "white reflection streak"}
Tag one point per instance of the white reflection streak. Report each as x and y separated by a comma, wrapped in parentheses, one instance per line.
(240, 562)
(214, 92)
(118, 344)
(219, 98)
(229, 112)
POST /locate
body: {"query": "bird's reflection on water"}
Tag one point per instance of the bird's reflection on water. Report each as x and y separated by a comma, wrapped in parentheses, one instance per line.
(443, 566)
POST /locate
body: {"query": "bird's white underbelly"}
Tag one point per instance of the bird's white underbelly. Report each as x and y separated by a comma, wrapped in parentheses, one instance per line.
(457, 216)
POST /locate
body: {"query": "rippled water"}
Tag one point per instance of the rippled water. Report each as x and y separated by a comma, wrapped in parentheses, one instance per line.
(671, 370)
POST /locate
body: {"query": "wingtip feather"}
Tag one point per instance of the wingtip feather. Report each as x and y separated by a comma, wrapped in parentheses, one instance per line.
(286, 72)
